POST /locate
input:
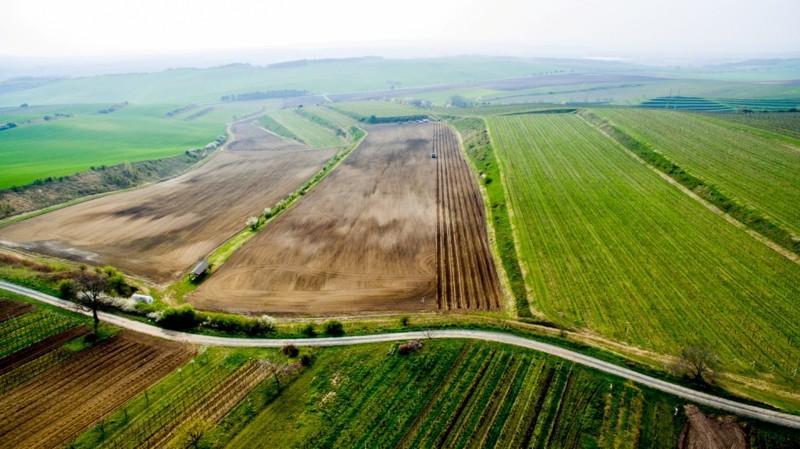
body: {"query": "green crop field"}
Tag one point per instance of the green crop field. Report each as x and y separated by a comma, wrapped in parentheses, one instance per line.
(313, 134)
(377, 108)
(785, 123)
(336, 118)
(133, 133)
(456, 394)
(608, 245)
(757, 172)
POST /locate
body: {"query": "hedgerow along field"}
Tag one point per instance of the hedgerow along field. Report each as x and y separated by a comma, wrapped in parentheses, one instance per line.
(65, 146)
(607, 245)
(757, 172)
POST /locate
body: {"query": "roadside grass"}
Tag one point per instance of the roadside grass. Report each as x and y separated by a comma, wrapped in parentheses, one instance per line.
(608, 244)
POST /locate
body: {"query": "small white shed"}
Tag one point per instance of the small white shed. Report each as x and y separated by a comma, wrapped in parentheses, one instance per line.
(138, 297)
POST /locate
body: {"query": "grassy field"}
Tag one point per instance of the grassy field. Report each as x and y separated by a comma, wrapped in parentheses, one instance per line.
(607, 244)
(329, 115)
(753, 170)
(312, 134)
(784, 123)
(377, 108)
(133, 133)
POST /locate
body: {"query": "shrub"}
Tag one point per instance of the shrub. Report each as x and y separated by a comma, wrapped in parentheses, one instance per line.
(334, 328)
(290, 351)
(178, 318)
(67, 289)
(404, 321)
(306, 360)
(264, 324)
(309, 330)
(409, 347)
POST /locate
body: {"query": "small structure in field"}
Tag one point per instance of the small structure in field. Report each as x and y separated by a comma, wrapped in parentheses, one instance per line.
(138, 297)
(199, 269)
(433, 155)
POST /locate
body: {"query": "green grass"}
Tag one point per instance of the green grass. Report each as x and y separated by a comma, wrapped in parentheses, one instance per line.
(70, 145)
(608, 244)
(783, 123)
(752, 170)
(482, 155)
(314, 135)
(377, 108)
(340, 120)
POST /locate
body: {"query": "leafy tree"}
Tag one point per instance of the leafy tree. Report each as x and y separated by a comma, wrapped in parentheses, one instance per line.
(697, 363)
(334, 328)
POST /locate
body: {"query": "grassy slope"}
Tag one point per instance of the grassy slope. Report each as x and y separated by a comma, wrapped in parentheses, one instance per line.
(608, 244)
(340, 120)
(134, 133)
(378, 108)
(309, 132)
(755, 171)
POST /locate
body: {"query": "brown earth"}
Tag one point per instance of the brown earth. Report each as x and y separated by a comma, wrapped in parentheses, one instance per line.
(390, 230)
(11, 309)
(702, 432)
(40, 348)
(466, 276)
(60, 403)
(159, 231)
(364, 240)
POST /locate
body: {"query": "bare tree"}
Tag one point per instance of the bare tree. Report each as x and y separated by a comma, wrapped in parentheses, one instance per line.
(92, 285)
(697, 363)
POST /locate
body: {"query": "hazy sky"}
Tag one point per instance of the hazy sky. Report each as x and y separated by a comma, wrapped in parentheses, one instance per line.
(58, 28)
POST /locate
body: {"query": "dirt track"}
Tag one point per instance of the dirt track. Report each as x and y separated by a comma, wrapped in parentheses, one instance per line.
(363, 240)
(159, 231)
(58, 404)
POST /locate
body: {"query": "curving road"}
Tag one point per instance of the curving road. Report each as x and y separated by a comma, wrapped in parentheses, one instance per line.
(697, 397)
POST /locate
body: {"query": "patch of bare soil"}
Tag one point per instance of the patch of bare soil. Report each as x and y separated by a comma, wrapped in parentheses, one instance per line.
(159, 231)
(10, 309)
(363, 240)
(702, 432)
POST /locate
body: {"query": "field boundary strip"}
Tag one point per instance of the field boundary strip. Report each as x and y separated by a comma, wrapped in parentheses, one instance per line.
(615, 135)
(728, 405)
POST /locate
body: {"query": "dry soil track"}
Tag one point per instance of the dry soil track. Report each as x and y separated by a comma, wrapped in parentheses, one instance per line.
(159, 231)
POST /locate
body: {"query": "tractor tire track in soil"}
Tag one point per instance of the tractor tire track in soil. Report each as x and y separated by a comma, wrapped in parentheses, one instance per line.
(70, 397)
(466, 276)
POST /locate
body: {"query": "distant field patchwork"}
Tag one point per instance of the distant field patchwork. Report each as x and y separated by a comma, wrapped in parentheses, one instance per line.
(607, 244)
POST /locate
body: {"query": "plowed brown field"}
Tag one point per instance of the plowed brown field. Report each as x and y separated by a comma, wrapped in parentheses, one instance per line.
(466, 276)
(391, 229)
(159, 231)
(58, 404)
